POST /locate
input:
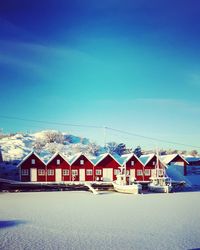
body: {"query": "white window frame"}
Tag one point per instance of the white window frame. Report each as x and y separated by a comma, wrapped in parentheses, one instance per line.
(139, 172)
(81, 162)
(58, 162)
(74, 172)
(24, 172)
(33, 161)
(127, 172)
(153, 163)
(147, 172)
(65, 172)
(50, 172)
(89, 172)
(98, 172)
(41, 172)
(132, 163)
(160, 172)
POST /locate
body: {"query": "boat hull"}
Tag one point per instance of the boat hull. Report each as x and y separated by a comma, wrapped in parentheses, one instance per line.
(160, 189)
(127, 189)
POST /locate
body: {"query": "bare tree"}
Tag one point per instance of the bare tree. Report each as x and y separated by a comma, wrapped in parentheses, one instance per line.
(194, 153)
(53, 136)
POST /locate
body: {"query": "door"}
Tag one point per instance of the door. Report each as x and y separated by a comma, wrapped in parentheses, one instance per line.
(107, 174)
(58, 175)
(132, 174)
(33, 173)
(82, 174)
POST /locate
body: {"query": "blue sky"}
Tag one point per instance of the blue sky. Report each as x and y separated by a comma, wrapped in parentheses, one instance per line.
(131, 65)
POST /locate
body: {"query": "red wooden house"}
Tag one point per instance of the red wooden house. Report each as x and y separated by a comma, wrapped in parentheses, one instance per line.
(134, 167)
(82, 168)
(58, 169)
(32, 168)
(176, 161)
(106, 168)
(150, 168)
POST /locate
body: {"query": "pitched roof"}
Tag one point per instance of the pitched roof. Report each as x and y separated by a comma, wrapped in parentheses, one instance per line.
(76, 157)
(169, 158)
(28, 155)
(54, 155)
(146, 158)
(103, 156)
(125, 158)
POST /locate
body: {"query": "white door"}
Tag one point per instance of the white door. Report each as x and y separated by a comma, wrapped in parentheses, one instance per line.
(107, 174)
(58, 175)
(132, 174)
(33, 174)
(82, 174)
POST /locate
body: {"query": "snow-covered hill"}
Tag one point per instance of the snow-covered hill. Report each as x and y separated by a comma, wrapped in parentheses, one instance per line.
(45, 143)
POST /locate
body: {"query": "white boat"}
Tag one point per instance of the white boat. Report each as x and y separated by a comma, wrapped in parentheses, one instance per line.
(121, 186)
(160, 183)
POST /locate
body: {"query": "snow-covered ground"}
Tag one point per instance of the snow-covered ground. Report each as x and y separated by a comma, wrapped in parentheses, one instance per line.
(81, 220)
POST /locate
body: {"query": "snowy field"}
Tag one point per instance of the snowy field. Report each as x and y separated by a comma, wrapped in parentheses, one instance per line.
(81, 220)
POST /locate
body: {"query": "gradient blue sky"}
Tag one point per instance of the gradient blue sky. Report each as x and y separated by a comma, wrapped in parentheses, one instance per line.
(132, 65)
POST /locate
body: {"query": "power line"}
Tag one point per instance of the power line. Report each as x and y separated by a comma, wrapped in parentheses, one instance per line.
(48, 122)
(150, 138)
(99, 127)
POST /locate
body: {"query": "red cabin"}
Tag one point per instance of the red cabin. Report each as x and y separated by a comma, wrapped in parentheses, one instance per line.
(176, 161)
(106, 168)
(150, 165)
(32, 168)
(134, 167)
(82, 168)
(58, 169)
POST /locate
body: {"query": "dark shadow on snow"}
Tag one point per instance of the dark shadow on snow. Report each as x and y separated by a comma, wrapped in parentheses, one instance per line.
(10, 223)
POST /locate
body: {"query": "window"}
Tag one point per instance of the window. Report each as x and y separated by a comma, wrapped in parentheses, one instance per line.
(139, 172)
(127, 172)
(147, 172)
(153, 162)
(116, 171)
(82, 162)
(58, 162)
(24, 172)
(50, 172)
(160, 172)
(33, 161)
(98, 171)
(41, 172)
(65, 172)
(132, 163)
(74, 172)
(89, 172)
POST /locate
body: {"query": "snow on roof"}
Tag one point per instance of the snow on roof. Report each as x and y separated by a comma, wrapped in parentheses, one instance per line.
(101, 157)
(97, 159)
(75, 157)
(146, 158)
(28, 155)
(192, 159)
(54, 155)
(166, 159)
(125, 158)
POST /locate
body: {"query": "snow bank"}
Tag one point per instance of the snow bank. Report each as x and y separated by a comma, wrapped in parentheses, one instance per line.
(81, 220)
